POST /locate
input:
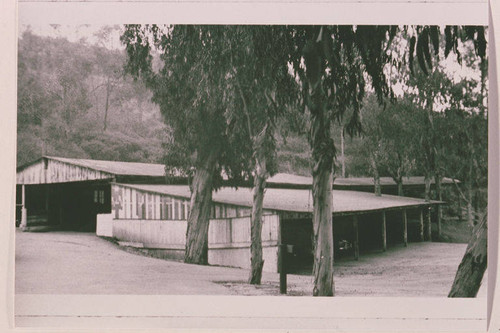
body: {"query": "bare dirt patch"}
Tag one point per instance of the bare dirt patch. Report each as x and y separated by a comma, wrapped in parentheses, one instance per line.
(81, 263)
(420, 270)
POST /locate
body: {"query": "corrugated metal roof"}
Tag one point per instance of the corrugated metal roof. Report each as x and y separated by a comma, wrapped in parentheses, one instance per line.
(294, 200)
(285, 178)
(115, 167)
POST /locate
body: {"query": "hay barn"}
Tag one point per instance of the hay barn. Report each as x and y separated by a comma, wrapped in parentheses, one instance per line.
(131, 203)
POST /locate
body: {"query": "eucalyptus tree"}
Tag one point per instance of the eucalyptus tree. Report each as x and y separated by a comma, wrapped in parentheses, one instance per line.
(237, 75)
(387, 139)
(398, 128)
(259, 89)
(333, 63)
(467, 140)
(431, 87)
(373, 146)
(187, 88)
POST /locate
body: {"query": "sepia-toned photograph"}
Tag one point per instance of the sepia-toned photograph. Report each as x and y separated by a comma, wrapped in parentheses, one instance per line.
(252, 160)
(276, 162)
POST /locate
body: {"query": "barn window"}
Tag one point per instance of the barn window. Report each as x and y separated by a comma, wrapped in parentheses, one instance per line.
(99, 196)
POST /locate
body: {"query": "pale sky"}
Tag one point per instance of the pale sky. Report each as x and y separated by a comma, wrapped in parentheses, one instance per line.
(75, 33)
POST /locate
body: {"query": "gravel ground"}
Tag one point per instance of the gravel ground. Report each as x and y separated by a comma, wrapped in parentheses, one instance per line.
(81, 263)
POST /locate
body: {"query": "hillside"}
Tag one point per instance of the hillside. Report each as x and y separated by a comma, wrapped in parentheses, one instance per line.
(74, 101)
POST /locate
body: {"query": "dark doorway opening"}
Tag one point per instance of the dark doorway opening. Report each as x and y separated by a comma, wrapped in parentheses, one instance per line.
(67, 206)
(298, 235)
(395, 227)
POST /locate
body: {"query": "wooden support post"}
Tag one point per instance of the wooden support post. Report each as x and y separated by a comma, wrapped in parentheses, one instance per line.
(47, 193)
(356, 237)
(282, 267)
(24, 211)
(421, 226)
(384, 233)
(405, 228)
(429, 225)
(439, 217)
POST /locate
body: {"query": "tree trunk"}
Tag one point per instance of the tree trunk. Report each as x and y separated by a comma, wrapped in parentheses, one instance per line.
(471, 270)
(256, 226)
(199, 215)
(400, 188)
(323, 153)
(342, 155)
(427, 191)
(470, 210)
(439, 192)
(398, 178)
(323, 232)
(484, 73)
(106, 106)
(376, 178)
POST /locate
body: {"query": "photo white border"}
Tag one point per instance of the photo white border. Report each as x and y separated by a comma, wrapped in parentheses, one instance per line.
(218, 312)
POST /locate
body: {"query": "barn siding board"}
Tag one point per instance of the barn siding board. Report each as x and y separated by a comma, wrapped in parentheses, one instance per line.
(241, 230)
(218, 231)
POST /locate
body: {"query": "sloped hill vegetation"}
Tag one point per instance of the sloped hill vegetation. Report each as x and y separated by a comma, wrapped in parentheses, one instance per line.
(74, 101)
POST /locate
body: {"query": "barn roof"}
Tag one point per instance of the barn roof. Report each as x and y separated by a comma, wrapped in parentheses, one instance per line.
(294, 200)
(150, 170)
(112, 167)
(289, 179)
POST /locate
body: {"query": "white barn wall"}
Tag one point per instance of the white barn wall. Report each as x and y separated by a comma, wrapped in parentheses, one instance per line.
(161, 228)
(152, 233)
(228, 241)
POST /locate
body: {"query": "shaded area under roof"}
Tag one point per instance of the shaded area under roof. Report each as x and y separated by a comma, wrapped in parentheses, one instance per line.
(294, 200)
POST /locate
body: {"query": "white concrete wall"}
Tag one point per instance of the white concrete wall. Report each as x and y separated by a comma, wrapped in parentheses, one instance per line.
(104, 226)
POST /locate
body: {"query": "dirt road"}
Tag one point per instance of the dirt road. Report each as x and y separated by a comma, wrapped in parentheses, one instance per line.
(81, 263)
